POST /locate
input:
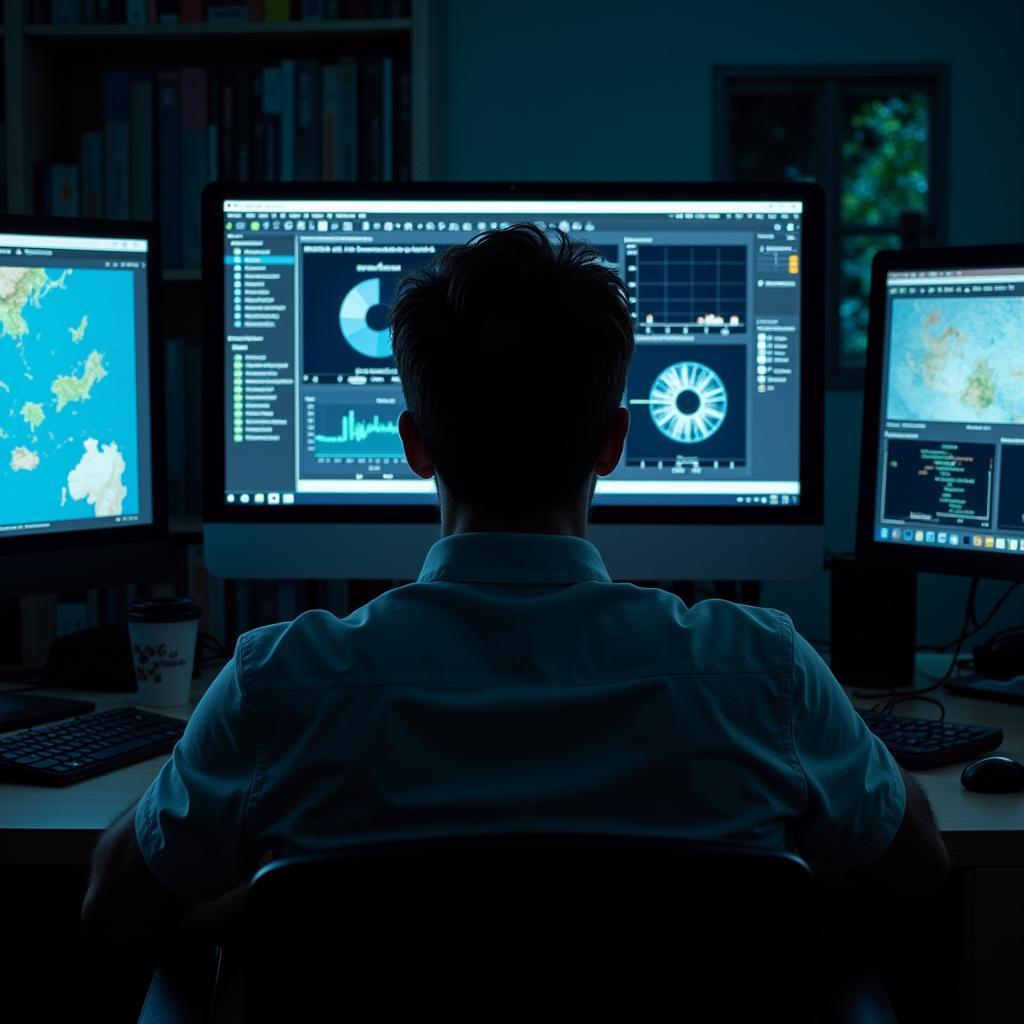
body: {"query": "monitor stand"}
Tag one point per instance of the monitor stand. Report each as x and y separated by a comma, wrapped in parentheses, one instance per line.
(873, 625)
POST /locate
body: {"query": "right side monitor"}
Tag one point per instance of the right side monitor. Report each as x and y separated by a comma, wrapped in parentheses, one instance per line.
(943, 460)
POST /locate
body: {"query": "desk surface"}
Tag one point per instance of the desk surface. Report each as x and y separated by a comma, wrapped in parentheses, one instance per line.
(60, 826)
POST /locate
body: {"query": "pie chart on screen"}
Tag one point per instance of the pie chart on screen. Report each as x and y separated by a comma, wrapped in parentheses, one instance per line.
(352, 318)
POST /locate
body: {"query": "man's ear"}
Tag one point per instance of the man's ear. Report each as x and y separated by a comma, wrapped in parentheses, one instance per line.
(616, 439)
(415, 452)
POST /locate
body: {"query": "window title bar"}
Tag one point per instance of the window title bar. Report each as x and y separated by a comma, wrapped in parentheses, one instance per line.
(73, 242)
(950, 279)
(354, 207)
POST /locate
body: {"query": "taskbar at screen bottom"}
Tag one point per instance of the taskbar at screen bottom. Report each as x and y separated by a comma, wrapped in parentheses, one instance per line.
(962, 538)
(99, 522)
(233, 499)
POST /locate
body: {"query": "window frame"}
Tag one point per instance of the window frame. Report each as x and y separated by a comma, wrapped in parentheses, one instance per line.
(829, 84)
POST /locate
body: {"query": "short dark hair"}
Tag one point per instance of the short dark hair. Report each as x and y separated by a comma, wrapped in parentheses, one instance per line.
(513, 351)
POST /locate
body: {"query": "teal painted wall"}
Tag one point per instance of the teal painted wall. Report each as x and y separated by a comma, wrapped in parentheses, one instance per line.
(567, 90)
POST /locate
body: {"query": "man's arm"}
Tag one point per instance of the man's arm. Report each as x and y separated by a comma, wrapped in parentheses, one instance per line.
(125, 907)
(186, 843)
(915, 864)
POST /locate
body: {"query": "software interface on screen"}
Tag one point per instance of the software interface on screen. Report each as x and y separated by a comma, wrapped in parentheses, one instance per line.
(74, 372)
(313, 396)
(951, 458)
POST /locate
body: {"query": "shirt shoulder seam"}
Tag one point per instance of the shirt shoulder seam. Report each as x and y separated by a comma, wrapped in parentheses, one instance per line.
(787, 696)
(250, 720)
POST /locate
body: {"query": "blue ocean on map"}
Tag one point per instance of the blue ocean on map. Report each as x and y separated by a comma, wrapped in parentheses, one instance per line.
(109, 414)
(957, 360)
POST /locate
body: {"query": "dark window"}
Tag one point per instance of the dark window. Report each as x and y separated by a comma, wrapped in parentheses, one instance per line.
(873, 138)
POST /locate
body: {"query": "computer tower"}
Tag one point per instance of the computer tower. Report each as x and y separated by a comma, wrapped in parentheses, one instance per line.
(874, 624)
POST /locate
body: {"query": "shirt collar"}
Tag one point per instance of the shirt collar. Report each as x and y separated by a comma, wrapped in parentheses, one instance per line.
(513, 558)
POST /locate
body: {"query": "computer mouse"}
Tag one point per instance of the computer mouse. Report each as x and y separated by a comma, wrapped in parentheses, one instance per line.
(995, 774)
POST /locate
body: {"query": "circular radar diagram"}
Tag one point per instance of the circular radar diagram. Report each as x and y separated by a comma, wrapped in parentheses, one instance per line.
(688, 402)
(366, 340)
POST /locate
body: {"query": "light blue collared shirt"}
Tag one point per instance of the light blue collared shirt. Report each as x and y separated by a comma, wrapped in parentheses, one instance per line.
(515, 687)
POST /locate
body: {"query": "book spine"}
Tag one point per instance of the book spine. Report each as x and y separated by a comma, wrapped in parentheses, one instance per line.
(330, 102)
(168, 12)
(258, 142)
(243, 125)
(216, 615)
(227, 12)
(3, 164)
(168, 89)
(214, 93)
(287, 120)
(41, 184)
(403, 121)
(228, 157)
(142, 146)
(66, 12)
(332, 10)
(193, 430)
(370, 123)
(92, 174)
(194, 162)
(348, 120)
(174, 361)
(105, 11)
(198, 584)
(136, 12)
(307, 120)
(387, 117)
(312, 10)
(192, 10)
(256, 10)
(277, 10)
(88, 12)
(63, 182)
(116, 143)
(272, 102)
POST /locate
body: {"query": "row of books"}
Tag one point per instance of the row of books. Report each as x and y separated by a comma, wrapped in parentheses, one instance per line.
(166, 135)
(151, 12)
(229, 607)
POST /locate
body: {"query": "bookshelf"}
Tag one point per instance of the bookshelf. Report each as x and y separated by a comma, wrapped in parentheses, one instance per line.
(53, 92)
(54, 75)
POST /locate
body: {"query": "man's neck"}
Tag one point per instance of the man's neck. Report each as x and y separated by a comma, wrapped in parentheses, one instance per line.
(568, 522)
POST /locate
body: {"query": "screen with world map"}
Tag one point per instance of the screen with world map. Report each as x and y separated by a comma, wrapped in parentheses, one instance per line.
(74, 399)
(951, 459)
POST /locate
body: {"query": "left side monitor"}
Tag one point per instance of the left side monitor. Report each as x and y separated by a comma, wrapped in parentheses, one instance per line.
(81, 487)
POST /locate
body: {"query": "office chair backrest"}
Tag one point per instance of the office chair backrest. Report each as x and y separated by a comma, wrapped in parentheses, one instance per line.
(511, 926)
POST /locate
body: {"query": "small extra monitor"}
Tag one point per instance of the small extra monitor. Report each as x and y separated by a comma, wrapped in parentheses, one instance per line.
(942, 468)
(81, 494)
(721, 475)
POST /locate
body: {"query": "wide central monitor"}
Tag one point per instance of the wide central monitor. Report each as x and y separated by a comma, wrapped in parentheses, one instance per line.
(721, 474)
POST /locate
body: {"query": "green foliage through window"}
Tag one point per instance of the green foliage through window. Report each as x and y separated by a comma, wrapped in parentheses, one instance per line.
(885, 158)
(868, 140)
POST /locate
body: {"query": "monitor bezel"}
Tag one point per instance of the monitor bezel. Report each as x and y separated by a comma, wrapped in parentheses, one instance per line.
(913, 557)
(22, 543)
(810, 511)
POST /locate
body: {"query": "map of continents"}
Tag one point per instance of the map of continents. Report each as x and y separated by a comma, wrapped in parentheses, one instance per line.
(957, 360)
(68, 441)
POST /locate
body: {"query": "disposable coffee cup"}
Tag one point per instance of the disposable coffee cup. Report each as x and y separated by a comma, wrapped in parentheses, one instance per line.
(162, 632)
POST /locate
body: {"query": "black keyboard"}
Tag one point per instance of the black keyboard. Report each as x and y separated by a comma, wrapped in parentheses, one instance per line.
(92, 744)
(919, 743)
